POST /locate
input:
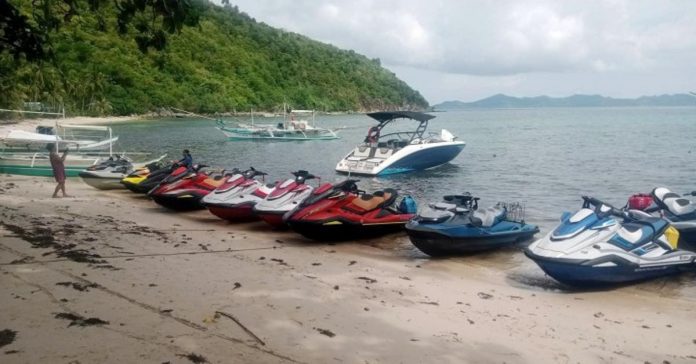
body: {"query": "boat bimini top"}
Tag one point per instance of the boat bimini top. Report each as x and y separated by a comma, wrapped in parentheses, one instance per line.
(401, 151)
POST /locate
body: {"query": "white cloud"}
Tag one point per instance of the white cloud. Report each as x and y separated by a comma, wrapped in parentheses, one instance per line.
(497, 39)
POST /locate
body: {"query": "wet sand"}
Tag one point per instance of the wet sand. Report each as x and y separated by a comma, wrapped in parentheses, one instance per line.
(110, 277)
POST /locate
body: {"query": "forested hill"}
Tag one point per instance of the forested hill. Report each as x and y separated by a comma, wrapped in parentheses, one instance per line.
(228, 62)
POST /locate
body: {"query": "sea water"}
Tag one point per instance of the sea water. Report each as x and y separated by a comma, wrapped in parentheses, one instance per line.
(545, 159)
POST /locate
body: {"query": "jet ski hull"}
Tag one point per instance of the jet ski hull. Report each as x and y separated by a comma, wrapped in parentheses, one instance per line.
(275, 219)
(436, 243)
(239, 212)
(102, 182)
(342, 230)
(182, 201)
(613, 270)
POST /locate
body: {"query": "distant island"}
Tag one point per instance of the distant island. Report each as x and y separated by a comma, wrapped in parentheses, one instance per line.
(501, 101)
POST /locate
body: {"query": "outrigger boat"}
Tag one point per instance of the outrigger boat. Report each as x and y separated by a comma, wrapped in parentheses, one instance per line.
(82, 138)
(400, 152)
(297, 130)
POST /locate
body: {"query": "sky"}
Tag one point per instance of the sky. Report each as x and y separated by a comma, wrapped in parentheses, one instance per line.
(470, 49)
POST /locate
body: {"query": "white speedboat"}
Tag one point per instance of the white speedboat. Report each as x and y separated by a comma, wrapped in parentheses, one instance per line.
(399, 152)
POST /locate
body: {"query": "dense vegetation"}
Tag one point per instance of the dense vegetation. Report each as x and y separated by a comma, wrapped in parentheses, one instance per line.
(228, 62)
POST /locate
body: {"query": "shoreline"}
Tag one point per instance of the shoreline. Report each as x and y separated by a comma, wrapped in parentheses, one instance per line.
(109, 276)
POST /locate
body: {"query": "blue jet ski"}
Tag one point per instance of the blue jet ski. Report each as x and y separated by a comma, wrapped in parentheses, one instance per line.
(680, 211)
(456, 226)
(601, 245)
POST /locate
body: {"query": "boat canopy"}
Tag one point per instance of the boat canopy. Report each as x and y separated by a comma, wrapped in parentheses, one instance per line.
(387, 116)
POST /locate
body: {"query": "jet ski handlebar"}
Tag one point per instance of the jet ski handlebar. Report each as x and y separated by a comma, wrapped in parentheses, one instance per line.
(602, 208)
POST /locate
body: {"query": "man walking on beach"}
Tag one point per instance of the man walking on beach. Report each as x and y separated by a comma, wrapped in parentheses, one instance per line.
(58, 166)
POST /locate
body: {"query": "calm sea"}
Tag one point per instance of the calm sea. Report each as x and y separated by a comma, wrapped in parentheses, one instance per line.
(543, 158)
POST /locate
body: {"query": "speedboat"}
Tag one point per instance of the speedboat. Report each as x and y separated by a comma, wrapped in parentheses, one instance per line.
(284, 197)
(341, 211)
(398, 152)
(457, 226)
(183, 190)
(234, 200)
(601, 245)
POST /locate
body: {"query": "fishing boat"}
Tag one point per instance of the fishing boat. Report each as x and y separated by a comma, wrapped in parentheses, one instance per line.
(399, 152)
(292, 128)
(83, 138)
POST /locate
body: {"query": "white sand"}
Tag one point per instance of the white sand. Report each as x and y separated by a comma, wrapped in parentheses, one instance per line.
(382, 302)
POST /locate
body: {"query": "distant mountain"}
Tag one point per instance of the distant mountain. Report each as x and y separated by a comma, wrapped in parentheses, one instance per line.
(501, 101)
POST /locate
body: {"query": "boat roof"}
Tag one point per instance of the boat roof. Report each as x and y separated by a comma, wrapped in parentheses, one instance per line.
(386, 116)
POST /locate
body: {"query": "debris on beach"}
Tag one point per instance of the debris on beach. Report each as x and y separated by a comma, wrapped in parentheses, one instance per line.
(325, 332)
(7, 337)
(194, 358)
(78, 286)
(485, 296)
(368, 279)
(80, 320)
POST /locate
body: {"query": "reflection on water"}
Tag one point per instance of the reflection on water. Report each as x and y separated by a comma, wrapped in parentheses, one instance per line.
(544, 158)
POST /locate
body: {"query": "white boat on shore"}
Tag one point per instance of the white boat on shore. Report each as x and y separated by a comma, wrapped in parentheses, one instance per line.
(77, 137)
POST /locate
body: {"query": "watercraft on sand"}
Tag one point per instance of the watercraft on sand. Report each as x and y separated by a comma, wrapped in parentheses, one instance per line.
(679, 210)
(107, 175)
(144, 180)
(457, 226)
(284, 197)
(341, 211)
(183, 189)
(234, 200)
(600, 245)
(399, 152)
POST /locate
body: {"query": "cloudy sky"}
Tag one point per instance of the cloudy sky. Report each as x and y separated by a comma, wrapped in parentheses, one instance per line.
(470, 49)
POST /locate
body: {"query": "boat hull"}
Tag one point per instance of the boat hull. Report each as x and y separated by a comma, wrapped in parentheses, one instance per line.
(103, 183)
(409, 159)
(184, 201)
(338, 230)
(237, 213)
(438, 244)
(272, 218)
(581, 273)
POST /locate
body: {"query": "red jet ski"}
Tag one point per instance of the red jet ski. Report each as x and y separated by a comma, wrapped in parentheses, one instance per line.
(234, 200)
(283, 198)
(343, 212)
(183, 189)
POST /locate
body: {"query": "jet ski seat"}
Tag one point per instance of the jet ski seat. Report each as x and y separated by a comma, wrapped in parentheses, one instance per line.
(672, 202)
(378, 199)
(487, 217)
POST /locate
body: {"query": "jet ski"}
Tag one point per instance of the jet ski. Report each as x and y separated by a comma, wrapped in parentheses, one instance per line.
(457, 226)
(341, 211)
(183, 189)
(152, 180)
(134, 179)
(284, 197)
(601, 245)
(107, 175)
(681, 212)
(234, 200)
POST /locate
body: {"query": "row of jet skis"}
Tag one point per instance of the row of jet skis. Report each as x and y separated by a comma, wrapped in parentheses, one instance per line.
(654, 235)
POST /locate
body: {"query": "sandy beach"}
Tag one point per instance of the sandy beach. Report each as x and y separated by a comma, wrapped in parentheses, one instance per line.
(110, 277)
